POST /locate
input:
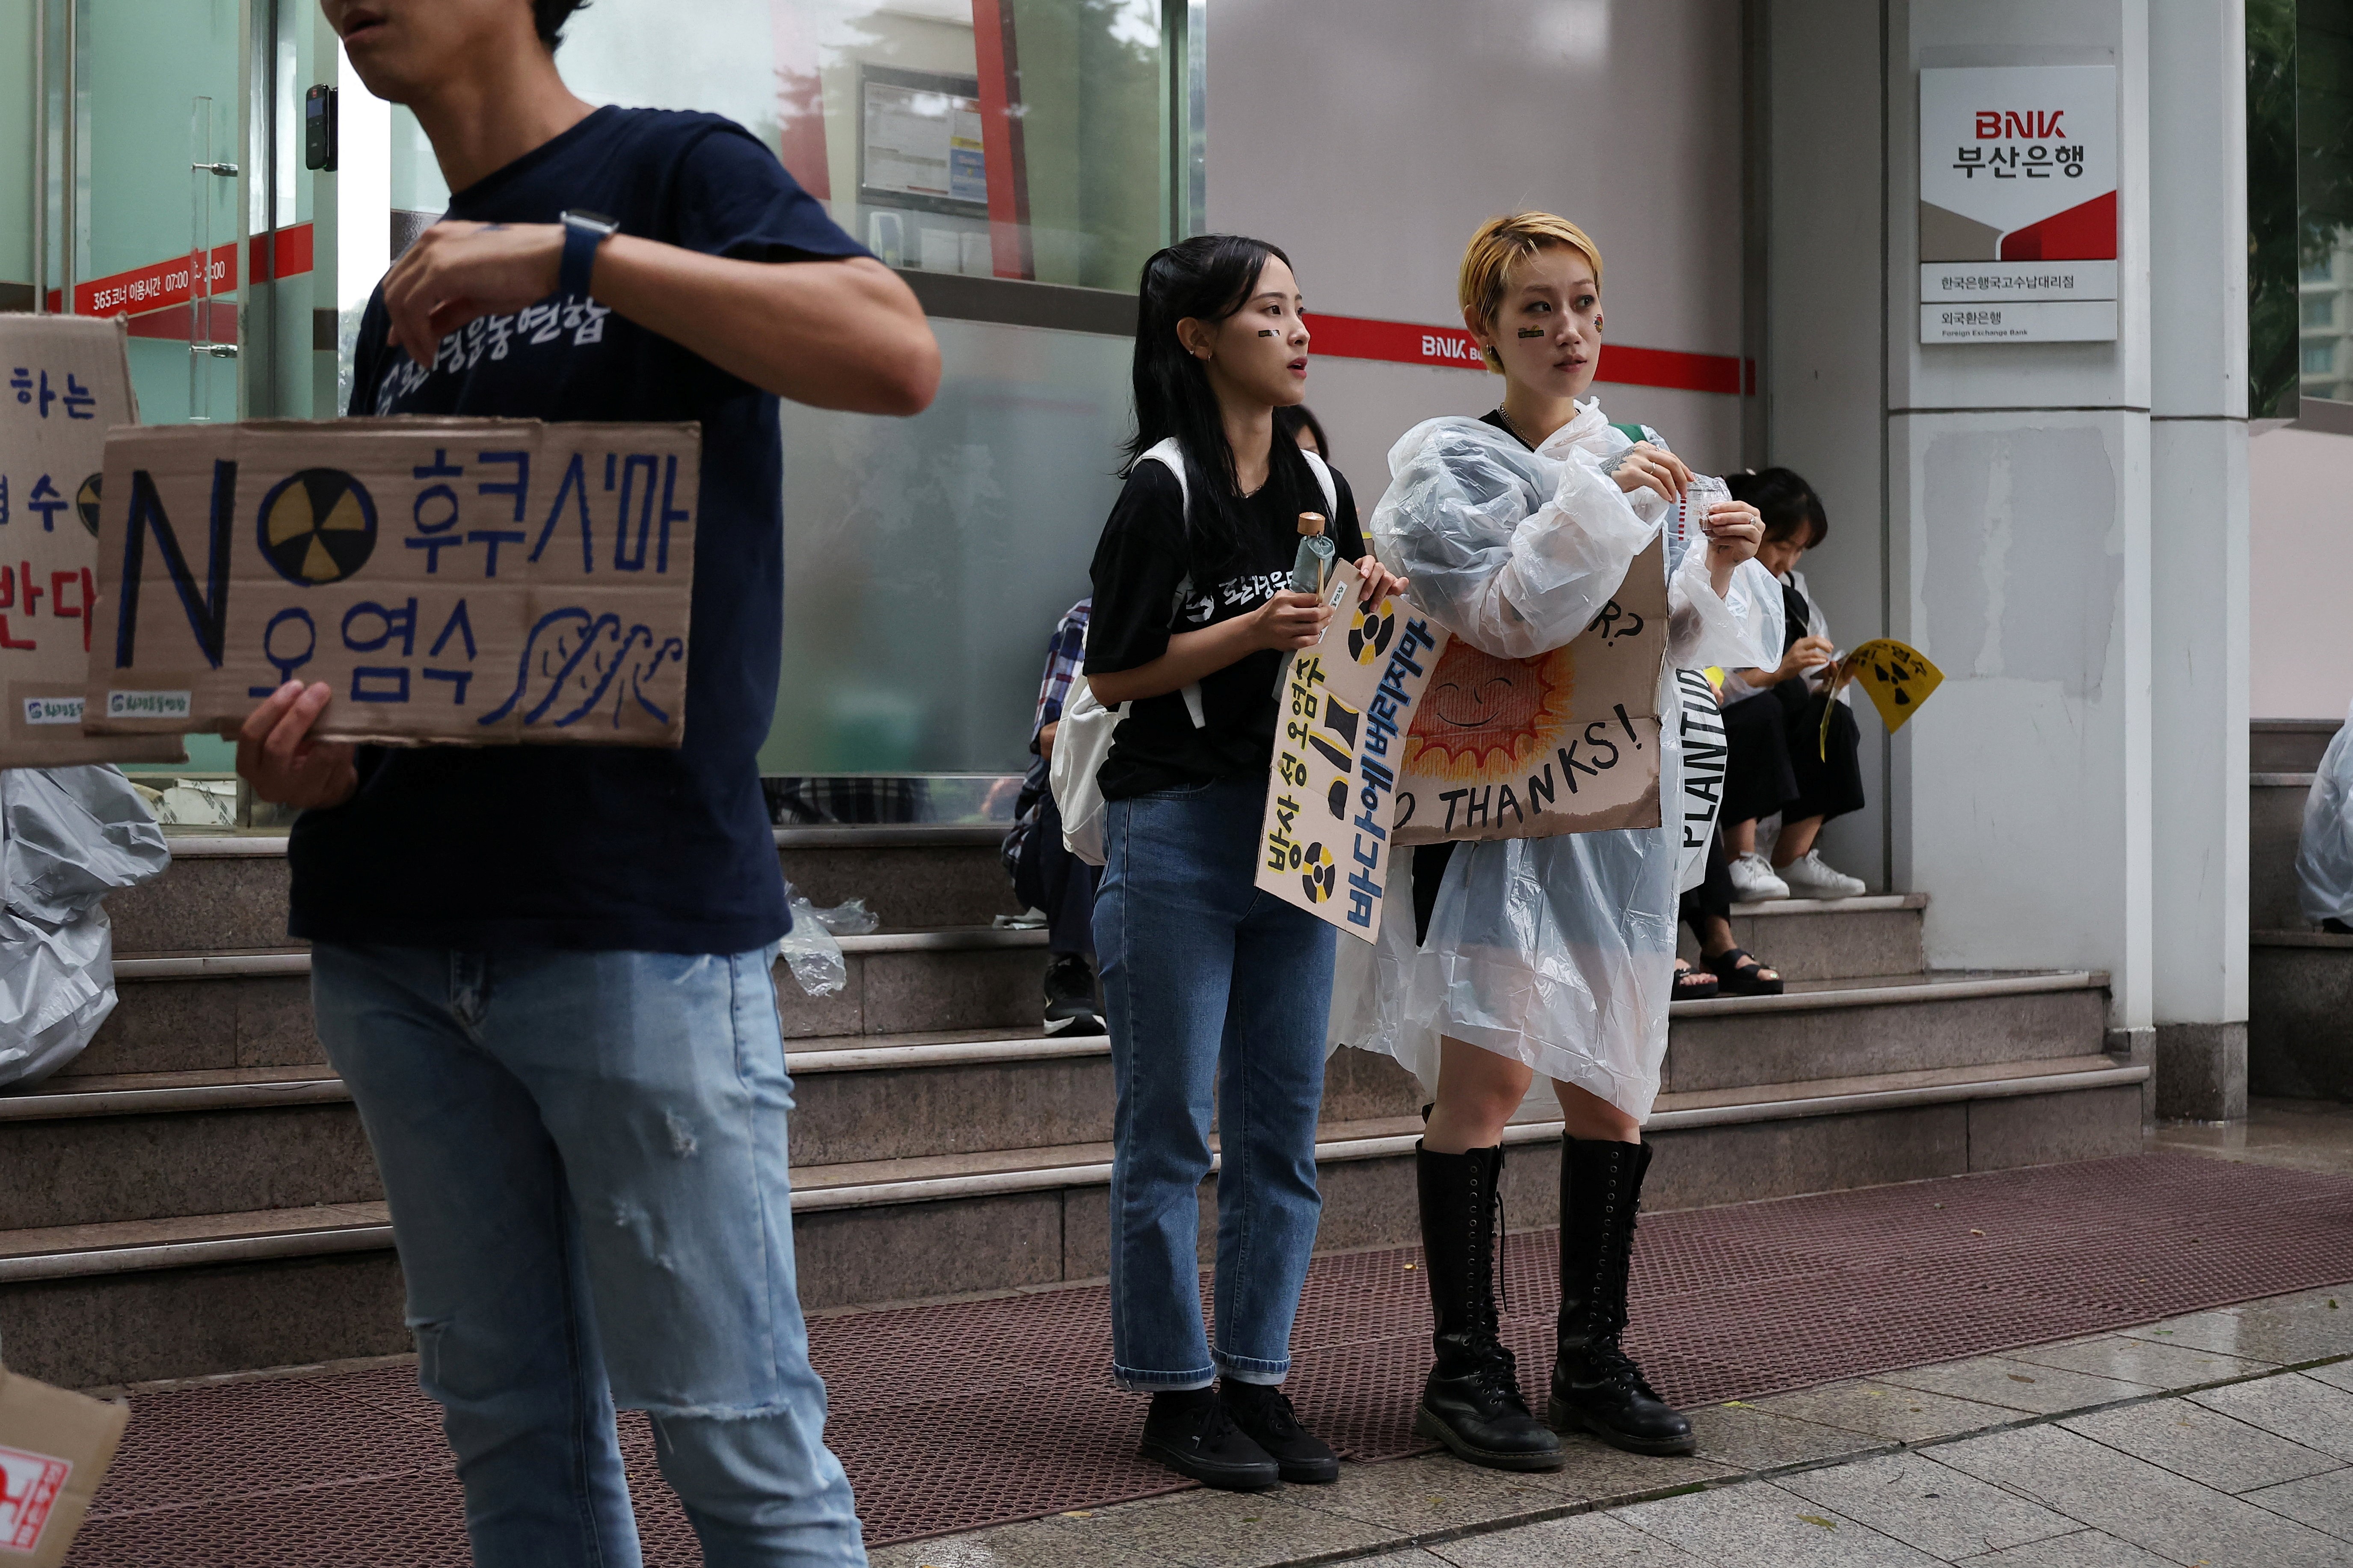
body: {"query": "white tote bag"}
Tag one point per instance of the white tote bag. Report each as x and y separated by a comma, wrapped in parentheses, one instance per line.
(1082, 739)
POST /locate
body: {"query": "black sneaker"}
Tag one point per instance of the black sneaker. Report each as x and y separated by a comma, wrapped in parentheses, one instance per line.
(1190, 1432)
(1264, 1413)
(1070, 997)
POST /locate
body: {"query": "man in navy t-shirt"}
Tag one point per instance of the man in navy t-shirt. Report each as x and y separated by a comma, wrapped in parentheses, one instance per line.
(544, 971)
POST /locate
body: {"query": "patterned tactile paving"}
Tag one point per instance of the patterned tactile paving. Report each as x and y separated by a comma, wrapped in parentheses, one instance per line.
(954, 1416)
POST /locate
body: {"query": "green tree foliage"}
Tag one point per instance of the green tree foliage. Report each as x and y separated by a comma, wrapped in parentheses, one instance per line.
(2271, 220)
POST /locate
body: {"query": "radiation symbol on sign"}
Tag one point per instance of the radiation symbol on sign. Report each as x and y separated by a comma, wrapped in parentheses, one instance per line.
(318, 526)
(1317, 873)
(1368, 635)
(86, 504)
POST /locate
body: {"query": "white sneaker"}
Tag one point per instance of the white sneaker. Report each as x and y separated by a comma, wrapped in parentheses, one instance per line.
(1807, 878)
(1753, 880)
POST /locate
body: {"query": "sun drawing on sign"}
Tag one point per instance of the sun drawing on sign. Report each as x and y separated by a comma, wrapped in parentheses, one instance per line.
(1485, 715)
(317, 526)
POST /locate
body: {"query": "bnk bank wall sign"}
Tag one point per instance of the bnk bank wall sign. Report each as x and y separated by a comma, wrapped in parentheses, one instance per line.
(2017, 205)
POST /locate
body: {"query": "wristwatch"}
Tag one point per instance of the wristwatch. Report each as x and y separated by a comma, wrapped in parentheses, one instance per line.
(582, 233)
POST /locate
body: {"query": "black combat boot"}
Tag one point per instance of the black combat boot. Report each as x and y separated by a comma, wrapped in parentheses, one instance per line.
(1596, 1386)
(1472, 1402)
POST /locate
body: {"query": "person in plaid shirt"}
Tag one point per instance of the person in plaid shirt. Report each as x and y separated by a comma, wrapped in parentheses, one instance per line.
(1045, 875)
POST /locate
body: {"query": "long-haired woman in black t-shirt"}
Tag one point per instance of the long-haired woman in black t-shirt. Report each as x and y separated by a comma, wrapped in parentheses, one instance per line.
(1216, 994)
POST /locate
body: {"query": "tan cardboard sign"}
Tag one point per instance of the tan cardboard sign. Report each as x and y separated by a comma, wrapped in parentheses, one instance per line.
(469, 581)
(1566, 742)
(64, 380)
(1347, 704)
(55, 1447)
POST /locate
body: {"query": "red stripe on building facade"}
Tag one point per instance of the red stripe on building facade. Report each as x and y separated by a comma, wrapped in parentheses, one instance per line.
(1410, 342)
(164, 290)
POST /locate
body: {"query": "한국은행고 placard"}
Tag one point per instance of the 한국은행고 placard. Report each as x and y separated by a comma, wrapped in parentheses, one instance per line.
(468, 581)
(1345, 708)
(1566, 742)
(67, 382)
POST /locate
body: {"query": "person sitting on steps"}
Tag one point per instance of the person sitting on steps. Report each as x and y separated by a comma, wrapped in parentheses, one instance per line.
(1046, 876)
(1779, 759)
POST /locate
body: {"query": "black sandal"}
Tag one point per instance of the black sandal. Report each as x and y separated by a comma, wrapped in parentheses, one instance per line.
(1694, 984)
(1755, 980)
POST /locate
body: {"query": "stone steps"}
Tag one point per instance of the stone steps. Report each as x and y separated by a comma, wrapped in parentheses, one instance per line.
(126, 1300)
(2299, 979)
(2300, 1015)
(194, 1196)
(146, 1145)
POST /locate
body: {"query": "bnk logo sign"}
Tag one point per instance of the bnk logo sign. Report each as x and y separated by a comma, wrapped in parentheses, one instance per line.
(2035, 125)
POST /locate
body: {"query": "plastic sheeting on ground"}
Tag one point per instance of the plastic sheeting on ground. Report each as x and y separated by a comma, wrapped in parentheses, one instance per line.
(67, 837)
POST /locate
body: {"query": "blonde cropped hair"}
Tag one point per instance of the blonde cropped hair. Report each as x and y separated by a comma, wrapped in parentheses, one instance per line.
(1501, 244)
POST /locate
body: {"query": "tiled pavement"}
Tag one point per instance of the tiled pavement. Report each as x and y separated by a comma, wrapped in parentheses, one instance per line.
(2223, 1438)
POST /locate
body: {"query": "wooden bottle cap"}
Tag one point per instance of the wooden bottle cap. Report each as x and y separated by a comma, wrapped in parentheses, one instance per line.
(1311, 524)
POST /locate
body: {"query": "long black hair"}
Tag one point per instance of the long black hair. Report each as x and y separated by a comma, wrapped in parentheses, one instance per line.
(1208, 277)
(1296, 419)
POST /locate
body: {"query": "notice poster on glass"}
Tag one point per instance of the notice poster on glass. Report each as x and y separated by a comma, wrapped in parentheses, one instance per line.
(919, 141)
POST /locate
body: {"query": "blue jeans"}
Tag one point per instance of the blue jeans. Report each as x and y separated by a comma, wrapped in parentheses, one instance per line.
(585, 1153)
(1216, 995)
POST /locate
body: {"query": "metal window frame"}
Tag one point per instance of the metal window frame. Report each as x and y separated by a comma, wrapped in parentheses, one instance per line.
(1021, 302)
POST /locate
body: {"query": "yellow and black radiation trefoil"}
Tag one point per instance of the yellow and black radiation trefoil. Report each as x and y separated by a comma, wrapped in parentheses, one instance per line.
(318, 525)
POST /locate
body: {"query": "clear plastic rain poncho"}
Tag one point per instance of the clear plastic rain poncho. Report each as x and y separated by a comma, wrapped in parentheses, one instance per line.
(2324, 856)
(1557, 952)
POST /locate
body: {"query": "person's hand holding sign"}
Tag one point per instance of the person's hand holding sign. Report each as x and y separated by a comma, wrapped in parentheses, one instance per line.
(286, 766)
(1375, 582)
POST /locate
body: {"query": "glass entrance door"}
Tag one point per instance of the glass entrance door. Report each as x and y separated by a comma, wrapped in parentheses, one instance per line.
(158, 201)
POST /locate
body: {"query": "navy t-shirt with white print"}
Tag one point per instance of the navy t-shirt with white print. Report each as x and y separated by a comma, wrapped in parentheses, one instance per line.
(595, 847)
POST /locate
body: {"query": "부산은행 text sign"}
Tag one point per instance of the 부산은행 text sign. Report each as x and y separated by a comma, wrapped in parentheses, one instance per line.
(1344, 709)
(1566, 741)
(451, 580)
(64, 382)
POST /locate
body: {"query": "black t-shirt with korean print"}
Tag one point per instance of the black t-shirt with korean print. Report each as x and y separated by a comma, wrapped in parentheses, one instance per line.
(587, 846)
(1142, 561)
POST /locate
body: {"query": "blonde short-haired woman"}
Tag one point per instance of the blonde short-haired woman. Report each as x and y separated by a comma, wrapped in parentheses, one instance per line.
(1541, 955)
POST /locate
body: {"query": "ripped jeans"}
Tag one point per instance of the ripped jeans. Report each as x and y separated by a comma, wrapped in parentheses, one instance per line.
(585, 1153)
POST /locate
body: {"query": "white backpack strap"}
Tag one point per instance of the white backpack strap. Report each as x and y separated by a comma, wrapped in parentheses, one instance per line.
(1323, 471)
(1171, 457)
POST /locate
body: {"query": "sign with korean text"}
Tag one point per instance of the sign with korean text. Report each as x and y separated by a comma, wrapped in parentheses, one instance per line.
(2017, 205)
(1345, 708)
(474, 580)
(55, 1447)
(67, 381)
(1566, 742)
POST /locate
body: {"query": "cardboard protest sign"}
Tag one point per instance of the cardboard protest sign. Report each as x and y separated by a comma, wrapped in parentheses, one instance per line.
(1346, 705)
(1897, 677)
(1705, 754)
(470, 581)
(55, 1447)
(68, 380)
(1566, 742)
